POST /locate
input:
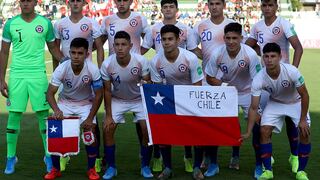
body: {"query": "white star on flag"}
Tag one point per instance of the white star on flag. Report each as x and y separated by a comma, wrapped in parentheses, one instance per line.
(53, 129)
(158, 99)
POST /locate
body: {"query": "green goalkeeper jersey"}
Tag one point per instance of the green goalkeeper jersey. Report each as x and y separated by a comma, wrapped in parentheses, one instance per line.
(28, 45)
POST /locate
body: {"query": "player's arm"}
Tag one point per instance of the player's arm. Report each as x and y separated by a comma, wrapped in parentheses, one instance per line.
(100, 52)
(197, 51)
(104, 38)
(4, 55)
(252, 116)
(107, 103)
(55, 62)
(55, 52)
(298, 50)
(98, 94)
(52, 90)
(253, 44)
(143, 50)
(212, 71)
(303, 125)
(199, 83)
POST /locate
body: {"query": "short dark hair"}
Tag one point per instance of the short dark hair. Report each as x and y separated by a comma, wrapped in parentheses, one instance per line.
(275, 1)
(170, 28)
(175, 2)
(271, 47)
(122, 35)
(223, 1)
(233, 27)
(79, 42)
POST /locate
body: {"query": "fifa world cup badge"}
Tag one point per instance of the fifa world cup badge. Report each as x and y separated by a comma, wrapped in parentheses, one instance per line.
(87, 138)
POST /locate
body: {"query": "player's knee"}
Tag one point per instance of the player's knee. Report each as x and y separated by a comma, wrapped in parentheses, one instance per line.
(265, 132)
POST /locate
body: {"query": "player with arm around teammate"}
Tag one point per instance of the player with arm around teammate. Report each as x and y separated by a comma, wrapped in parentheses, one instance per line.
(288, 97)
(121, 72)
(81, 95)
(239, 64)
(174, 66)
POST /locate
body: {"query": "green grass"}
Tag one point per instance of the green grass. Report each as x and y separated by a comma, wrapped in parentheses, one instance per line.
(31, 166)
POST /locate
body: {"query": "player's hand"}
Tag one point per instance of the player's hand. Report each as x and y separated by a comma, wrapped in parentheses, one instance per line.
(244, 136)
(87, 124)
(4, 89)
(304, 128)
(58, 114)
(109, 122)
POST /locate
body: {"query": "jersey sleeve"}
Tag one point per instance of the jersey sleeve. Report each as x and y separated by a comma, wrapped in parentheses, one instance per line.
(288, 29)
(103, 27)
(56, 30)
(256, 86)
(145, 26)
(145, 66)
(191, 40)
(297, 78)
(104, 74)
(253, 33)
(212, 68)
(148, 40)
(95, 29)
(50, 34)
(195, 68)
(96, 78)
(155, 76)
(6, 35)
(255, 65)
(57, 76)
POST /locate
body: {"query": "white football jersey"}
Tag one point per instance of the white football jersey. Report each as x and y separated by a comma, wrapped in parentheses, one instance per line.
(184, 71)
(237, 72)
(210, 36)
(135, 25)
(283, 89)
(153, 38)
(77, 89)
(125, 79)
(278, 32)
(66, 31)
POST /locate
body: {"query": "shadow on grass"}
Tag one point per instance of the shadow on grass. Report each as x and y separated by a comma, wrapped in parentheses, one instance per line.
(31, 166)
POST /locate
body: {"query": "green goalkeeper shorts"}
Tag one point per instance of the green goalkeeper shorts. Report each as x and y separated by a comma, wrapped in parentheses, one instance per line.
(21, 89)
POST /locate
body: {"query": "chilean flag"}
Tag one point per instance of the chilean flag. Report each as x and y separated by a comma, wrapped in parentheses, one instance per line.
(191, 115)
(63, 136)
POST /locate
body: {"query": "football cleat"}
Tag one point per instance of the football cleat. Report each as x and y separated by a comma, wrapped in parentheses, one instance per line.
(188, 164)
(205, 163)
(234, 163)
(11, 162)
(197, 174)
(212, 170)
(54, 173)
(92, 174)
(257, 172)
(266, 175)
(110, 173)
(98, 165)
(157, 165)
(301, 175)
(166, 174)
(63, 162)
(294, 162)
(146, 172)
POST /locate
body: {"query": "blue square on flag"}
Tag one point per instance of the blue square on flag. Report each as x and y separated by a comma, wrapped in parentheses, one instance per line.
(159, 99)
(55, 129)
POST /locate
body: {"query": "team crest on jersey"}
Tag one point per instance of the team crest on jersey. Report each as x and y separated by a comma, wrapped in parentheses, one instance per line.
(161, 72)
(285, 83)
(133, 22)
(85, 79)
(276, 30)
(84, 27)
(39, 29)
(135, 71)
(182, 68)
(242, 63)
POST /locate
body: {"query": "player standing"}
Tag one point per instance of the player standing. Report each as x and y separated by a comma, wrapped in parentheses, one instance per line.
(81, 95)
(121, 72)
(276, 29)
(124, 20)
(152, 39)
(239, 63)
(76, 25)
(174, 66)
(288, 97)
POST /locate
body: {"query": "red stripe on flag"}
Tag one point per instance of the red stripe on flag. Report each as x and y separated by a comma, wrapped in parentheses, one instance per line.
(190, 130)
(63, 145)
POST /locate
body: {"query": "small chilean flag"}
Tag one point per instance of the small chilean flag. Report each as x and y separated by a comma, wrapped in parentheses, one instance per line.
(63, 136)
(191, 115)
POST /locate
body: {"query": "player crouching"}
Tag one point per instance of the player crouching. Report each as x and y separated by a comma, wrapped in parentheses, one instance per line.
(81, 95)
